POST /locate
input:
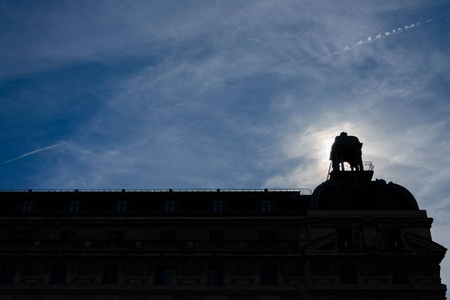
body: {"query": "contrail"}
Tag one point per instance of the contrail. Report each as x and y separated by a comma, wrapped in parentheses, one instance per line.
(386, 34)
(35, 151)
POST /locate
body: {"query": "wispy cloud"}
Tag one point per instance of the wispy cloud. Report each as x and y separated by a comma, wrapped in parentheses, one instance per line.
(391, 33)
(35, 151)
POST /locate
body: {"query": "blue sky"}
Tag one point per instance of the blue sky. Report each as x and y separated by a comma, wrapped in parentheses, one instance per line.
(224, 94)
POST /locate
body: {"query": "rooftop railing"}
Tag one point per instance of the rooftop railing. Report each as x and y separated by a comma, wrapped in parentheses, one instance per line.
(111, 245)
(301, 191)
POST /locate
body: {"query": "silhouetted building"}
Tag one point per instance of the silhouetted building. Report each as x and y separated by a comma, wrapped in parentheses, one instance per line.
(353, 238)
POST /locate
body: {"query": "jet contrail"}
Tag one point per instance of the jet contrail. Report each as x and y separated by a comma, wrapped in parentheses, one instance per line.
(386, 34)
(35, 151)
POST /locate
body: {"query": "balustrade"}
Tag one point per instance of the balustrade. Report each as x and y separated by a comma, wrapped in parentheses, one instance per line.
(147, 244)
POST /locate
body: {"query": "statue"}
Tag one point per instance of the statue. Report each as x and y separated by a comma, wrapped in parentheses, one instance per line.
(346, 149)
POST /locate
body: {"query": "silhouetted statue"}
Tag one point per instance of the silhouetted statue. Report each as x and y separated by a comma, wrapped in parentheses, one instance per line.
(346, 149)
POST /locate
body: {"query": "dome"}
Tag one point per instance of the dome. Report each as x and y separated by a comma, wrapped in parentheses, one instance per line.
(372, 195)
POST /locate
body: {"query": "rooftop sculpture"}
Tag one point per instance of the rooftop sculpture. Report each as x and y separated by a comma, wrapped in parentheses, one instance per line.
(346, 149)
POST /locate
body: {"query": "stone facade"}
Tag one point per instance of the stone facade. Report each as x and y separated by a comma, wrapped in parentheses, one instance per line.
(210, 245)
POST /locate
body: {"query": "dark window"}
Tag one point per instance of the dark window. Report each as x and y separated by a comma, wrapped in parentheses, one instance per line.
(116, 235)
(348, 274)
(267, 235)
(266, 205)
(344, 239)
(393, 238)
(268, 276)
(68, 235)
(163, 275)
(19, 235)
(122, 206)
(166, 235)
(74, 206)
(218, 205)
(399, 275)
(110, 274)
(59, 275)
(216, 236)
(116, 238)
(215, 276)
(169, 206)
(28, 206)
(8, 274)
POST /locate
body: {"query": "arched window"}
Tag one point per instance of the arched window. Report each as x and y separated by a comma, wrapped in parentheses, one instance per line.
(122, 206)
(28, 206)
(74, 206)
(266, 205)
(218, 205)
(169, 206)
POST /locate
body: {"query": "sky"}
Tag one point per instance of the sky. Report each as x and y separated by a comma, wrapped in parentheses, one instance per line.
(225, 94)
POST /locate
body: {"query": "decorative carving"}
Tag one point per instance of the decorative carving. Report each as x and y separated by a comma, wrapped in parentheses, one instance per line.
(33, 272)
(85, 272)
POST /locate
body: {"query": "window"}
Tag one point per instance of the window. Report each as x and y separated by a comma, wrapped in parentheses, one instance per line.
(393, 239)
(19, 235)
(8, 274)
(169, 206)
(58, 275)
(267, 235)
(28, 206)
(116, 235)
(215, 276)
(216, 236)
(166, 235)
(74, 206)
(348, 274)
(266, 205)
(344, 239)
(163, 275)
(218, 205)
(399, 275)
(68, 235)
(110, 274)
(121, 206)
(268, 276)
(116, 238)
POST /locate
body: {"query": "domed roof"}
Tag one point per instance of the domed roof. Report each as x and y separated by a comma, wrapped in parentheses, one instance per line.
(372, 195)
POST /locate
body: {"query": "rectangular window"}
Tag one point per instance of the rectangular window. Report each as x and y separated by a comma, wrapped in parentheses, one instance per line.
(116, 235)
(266, 205)
(58, 275)
(216, 236)
(215, 276)
(393, 238)
(399, 275)
(110, 274)
(19, 235)
(344, 239)
(116, 238)
(218, 205)
(267, 235)
(348, 274)
(8, 274)
(268, 276)
(163, 275)
(166, 235)
(74, 206)
(28, 206)
(122, 206)
(68, 235)
(169, 206)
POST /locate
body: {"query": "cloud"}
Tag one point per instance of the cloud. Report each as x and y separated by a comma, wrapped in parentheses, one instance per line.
(35, 151)
(369, 39)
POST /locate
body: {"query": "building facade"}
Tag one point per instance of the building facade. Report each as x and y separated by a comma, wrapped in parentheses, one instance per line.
(352, 238)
